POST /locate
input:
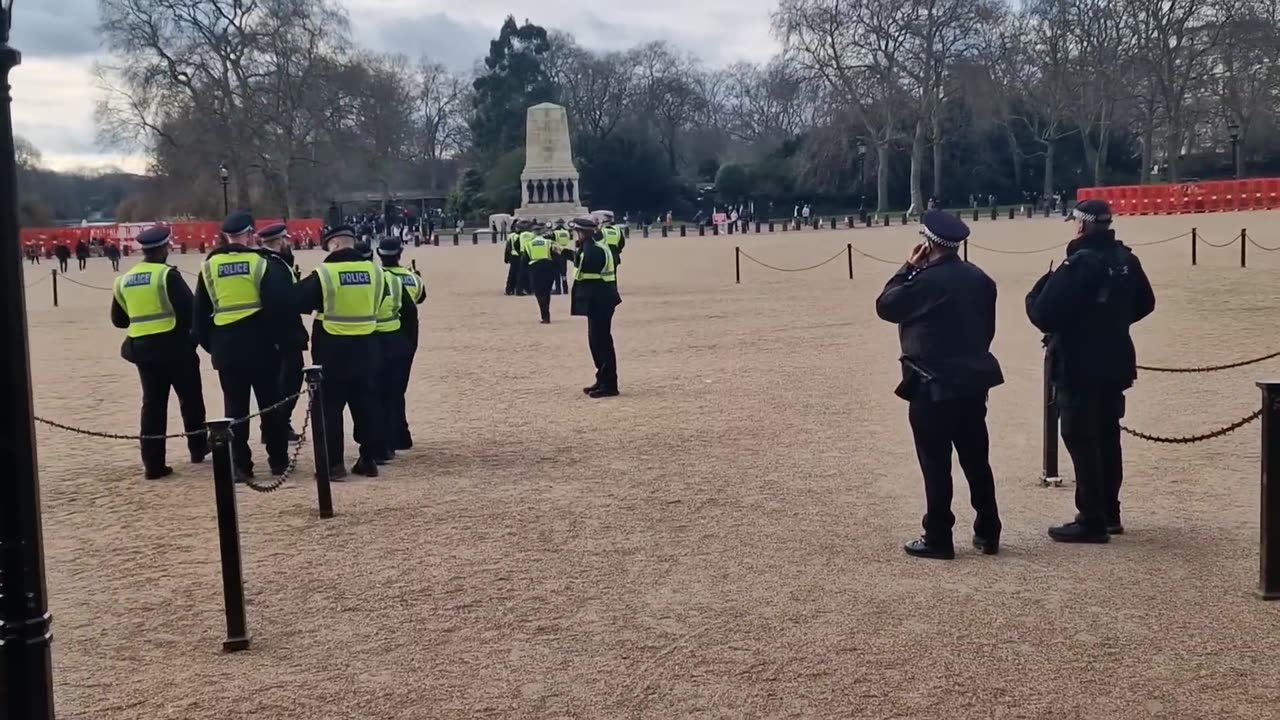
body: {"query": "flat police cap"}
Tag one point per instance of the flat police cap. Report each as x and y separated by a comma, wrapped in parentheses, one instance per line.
(339, 231)
(238, 222)
(154, 237)
(272, 232)
(390, 247)
(1092, 210)
(585, 223)
(942, 228)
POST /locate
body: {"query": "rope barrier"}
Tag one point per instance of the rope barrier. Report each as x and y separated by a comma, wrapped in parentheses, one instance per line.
(36, 282)
(1209, 368)
(877, 259)
(275, 483)
(1228, 243)
(1159, 242)
(1263, 248)
(69, 279)
(117, 436)
(803, 269)
(973, 244)
(1189, 439)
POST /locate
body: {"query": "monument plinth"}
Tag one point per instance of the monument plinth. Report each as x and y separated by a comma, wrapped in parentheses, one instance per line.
(549, 188)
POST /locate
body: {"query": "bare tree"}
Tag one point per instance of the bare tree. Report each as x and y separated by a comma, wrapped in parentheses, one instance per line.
(666, 87)
(442, 97)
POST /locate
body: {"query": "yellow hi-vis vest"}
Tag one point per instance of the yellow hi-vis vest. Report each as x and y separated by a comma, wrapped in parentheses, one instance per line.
(610, 272)
(563, 238)
(538, 248)
(409, 280)
(352, 296)
(389, 308)
(612, 235)
(143, 293)
(523, 242)
(234, 283)
(514, 241)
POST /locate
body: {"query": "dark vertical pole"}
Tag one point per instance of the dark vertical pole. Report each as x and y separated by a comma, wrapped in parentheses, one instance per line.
(966, 250)
(1194, 237)
(683, 230)
(455, 239)
(1242, 246)
(475, 238)
(848, 247)
(1269, 547)
(54, 272)
(1050, 440)
(414, 265)
(224, 490)
(737, 265)
(320, 439)
(26, 685)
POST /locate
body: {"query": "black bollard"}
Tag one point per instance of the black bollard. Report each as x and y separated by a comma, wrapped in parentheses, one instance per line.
(729, 227)
(867, 219)
(455, 239)
(770, 226)
(1046, 210)
(816, 223)
(475, 238)
(664, 231)
(224, 490)
(975, 214)
(702, 230)
(644, 231)
(1194, 238)
(848, 247)
(737, 265)
(904, 218)
(1049, 474)
(54, 272)
(757, 227)
(493, 238)
(682, 230)
(833, 223)
(1242, 246)
(1011, 212)
(886, 219)
(848, 222)
(1269, 538)
(435, 240)
(1030, 212)
(320, 438)
(715, 228)
(994, 214)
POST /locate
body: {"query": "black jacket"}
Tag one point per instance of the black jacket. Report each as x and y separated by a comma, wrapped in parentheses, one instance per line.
(162, 347)
(254, 341)
(591, 296)
(296, 338)
(1085, 309)
(341, 356)
(946, 317)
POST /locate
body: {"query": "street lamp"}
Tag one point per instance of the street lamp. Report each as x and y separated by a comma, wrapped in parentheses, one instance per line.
(224, 176)
(26, 675)
(1233, 130)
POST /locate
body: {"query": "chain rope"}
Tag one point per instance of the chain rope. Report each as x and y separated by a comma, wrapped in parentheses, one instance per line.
(803, 269)
(1209, 368)
(173, 436)
(1189, 439)
(275, 483)
(36, 282)
(1159, 242)
(73, 281)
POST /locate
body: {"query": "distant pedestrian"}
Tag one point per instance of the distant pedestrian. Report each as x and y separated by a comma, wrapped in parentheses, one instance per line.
(82, 254)
(63, 253)
(112, 251)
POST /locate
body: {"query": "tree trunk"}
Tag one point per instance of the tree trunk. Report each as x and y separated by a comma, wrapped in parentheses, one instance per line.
(917, 164)
(1015, 154)
(882, 177)
(1090, 152)
(1148, 156)
(937, 156)
(1173, 148)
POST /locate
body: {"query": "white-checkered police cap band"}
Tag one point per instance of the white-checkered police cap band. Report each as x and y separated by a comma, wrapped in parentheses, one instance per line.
(1079, 214)
(934, 238)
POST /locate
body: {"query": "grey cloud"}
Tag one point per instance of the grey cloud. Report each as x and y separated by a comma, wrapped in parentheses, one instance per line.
(55, 28)
(454, 43)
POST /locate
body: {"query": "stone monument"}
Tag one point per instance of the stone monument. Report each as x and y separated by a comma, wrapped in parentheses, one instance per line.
(549, 188)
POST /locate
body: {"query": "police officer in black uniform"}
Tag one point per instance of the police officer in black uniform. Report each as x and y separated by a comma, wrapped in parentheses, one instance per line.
(398, 348)
(244, 351)
(275, 240)
(1085, 309)
(945, 309)
(511, 256)
(349, 362)
(595, 296)
(165, 359)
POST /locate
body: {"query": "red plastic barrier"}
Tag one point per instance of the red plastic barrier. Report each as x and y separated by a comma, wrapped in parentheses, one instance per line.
(1177, 198)
(185, 234)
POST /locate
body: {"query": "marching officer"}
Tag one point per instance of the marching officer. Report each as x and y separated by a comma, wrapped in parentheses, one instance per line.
(345, 292)
(595, 296)
(153, 303)
(241, 308)
(945, 309)
(511, 256)
(526, 279)
(275, 240)
(540, 252)
(564, 244)
(1085, 309)
(613, 237)
(397, 332)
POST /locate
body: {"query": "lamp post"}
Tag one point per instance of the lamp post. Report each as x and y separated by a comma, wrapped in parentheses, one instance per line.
(224, 177)
(26, 675)
(1233, 130)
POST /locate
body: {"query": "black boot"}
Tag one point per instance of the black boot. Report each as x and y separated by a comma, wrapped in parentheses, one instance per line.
(163, 471)
(366, 467)
(987, 546)
(1076, 532)
(922, 548)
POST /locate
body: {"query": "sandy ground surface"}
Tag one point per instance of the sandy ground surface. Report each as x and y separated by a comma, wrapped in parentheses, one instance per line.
(721, 541)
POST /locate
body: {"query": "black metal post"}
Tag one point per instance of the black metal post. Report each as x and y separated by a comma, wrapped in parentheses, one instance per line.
(995, 214)
(757, 227)
(1050, 470)
(320, 439)
(455, 239)
(1235, 157)
(849, 249)
(975, 214)
(226, 203)
(833, 223)
(737, 265)
(904, 218)
(702, 230)
(966, 250)
(886, 219)
(1194, 237)
(715, 228)
(866, 219)
(224, 490)
(475, 238)
(26, 685)
(644, 231)
(683, 230)
(770, 226)
(1269, 545)
(414, 264)
(1242, 247)
(1011, 213)
(729, 227)
(54, 272)
(664, 231)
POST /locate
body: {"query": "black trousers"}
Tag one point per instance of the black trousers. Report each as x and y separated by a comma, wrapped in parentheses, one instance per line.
(600, 339)
(543, 273)
(115, 264)
(82, 262)
(394, 384)
(513, 275)
(525, 283)
(62, 265)
(291, 364)
(183, 375)
(359, 393)
(937, 427)
(1091, 431)
(264, 383)
(560, 284)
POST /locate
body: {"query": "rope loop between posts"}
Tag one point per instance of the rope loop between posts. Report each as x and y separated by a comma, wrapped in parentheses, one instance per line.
(1158, 242)
(172, 436)
(73, 281)
(36, 282)
(1263, 248)
(275, 483)
(803, 269)
(1209, 368)
(1228, 243)
(1189, 439)
(877, 259)
(973, 244)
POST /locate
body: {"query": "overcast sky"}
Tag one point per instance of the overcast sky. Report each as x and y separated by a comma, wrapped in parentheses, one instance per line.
(54, 94)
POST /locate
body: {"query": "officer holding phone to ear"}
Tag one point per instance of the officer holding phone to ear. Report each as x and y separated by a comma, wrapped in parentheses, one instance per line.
(945, 309)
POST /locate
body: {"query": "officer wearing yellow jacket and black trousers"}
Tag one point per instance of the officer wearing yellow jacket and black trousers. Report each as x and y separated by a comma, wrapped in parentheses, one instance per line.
(153, 303)
(540, 252)
(398, 342)
(511, 256)
(241, 311)
(564, 243)
(346, 292)
(595, 296)
(275, 240)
